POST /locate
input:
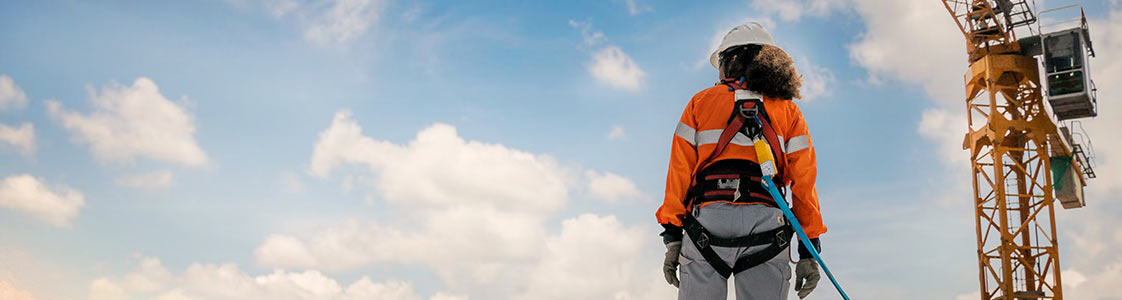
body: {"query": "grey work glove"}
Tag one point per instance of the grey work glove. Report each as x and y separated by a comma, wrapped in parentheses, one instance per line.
(670, 264)
(806, 277)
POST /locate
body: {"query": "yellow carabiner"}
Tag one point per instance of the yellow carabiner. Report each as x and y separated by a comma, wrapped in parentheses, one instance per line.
(765, 157)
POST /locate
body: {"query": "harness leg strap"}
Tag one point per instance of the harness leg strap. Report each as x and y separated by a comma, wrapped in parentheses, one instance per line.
(776, 239)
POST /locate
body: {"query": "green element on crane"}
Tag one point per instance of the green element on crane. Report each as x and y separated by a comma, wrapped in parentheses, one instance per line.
(1060, 166)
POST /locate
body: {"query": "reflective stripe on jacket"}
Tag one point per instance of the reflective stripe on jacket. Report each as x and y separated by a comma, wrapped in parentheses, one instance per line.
(696, 137)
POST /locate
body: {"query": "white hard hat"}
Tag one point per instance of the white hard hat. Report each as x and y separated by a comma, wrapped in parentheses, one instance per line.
(745, 34)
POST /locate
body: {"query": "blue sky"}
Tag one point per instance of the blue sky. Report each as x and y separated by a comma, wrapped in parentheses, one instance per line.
(389, 149)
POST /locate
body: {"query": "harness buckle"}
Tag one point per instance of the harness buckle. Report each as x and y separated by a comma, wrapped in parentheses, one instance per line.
(728, 183)
(780, 239)
(748, 112)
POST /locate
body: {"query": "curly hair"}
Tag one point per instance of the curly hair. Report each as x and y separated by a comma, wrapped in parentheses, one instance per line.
(766, 69)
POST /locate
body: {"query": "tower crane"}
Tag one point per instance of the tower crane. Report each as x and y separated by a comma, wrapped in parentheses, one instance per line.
(1023, 156)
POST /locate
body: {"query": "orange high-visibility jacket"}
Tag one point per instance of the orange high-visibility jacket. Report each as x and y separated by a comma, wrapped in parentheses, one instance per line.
(696, 137)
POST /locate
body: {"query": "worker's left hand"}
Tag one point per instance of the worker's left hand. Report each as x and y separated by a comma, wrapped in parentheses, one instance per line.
(670, 263)
(806, 277)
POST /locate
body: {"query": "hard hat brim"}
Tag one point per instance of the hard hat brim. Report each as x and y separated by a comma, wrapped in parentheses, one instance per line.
(715, 58)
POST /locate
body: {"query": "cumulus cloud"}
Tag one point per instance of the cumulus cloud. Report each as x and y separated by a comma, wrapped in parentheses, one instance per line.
(946, 129)
(27, 194)
(226, 281)
(10, 291)
(818, 81)
(21, 138)
(149, 180)
(592, 258)
(635, 8)
(920, 29)
(611, 187)
(103, 289)
(133, 121)
(917, 27)
(282, 251)
(473, 233)
(590, 37)
(610, 64)
(333, 22)
(466, 227)
(11, 96)
(440, 168)
(793, 10)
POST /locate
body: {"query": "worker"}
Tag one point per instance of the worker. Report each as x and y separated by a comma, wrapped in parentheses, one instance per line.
(719, 219)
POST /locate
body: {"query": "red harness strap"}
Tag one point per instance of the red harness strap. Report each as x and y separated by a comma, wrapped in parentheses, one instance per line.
(732, 129)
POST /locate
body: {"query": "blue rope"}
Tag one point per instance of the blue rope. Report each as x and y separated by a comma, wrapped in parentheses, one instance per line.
(803, 239)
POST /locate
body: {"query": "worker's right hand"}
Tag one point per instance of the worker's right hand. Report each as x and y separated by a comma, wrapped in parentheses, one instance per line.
(806, 277)
(670, 263)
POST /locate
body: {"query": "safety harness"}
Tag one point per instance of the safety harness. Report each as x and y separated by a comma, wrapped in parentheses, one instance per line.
(739, 184)
(747, 115)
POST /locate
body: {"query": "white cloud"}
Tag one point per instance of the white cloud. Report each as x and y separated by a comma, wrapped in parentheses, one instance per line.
(1101, 284)
(589, 36)
(917, 27)
(592, 258)
(635, 8)
(149, 180)
(793, 10)
(131, 121)
(21, 138)
(175, 294)
(946, 129)
(611, 187)
(617, 133)
(1072, 278)
(818, 81)
(440, 168)
(9, 291)
(921, 29)
(333, 22)
(103, 289)
(29, 195)
(475, 241)
(227, 281)
(472, 232)
(609, 65)
(282, 251)
(11, 96)
(612, 66)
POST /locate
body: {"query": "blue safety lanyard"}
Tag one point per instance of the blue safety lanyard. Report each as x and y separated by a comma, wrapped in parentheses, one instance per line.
(803, 239)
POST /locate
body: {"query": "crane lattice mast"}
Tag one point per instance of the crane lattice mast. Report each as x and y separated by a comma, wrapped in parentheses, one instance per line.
(1014, 148)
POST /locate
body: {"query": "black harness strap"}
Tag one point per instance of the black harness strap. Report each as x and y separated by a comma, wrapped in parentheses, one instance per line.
(776, 239)
(746, 112)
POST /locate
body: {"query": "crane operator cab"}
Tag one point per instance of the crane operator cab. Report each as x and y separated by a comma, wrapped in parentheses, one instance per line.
(1069, 87)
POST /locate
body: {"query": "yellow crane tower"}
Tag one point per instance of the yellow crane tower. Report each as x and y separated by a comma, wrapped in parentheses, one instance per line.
(1023, 159)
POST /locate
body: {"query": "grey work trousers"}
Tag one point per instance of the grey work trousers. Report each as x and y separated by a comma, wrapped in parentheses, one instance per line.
(767, 281)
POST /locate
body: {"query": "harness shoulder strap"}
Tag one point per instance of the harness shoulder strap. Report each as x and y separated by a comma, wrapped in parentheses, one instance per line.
(743, 110)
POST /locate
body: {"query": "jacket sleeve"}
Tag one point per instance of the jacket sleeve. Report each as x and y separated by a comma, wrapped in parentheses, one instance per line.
(801, 172)
(683, 157)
